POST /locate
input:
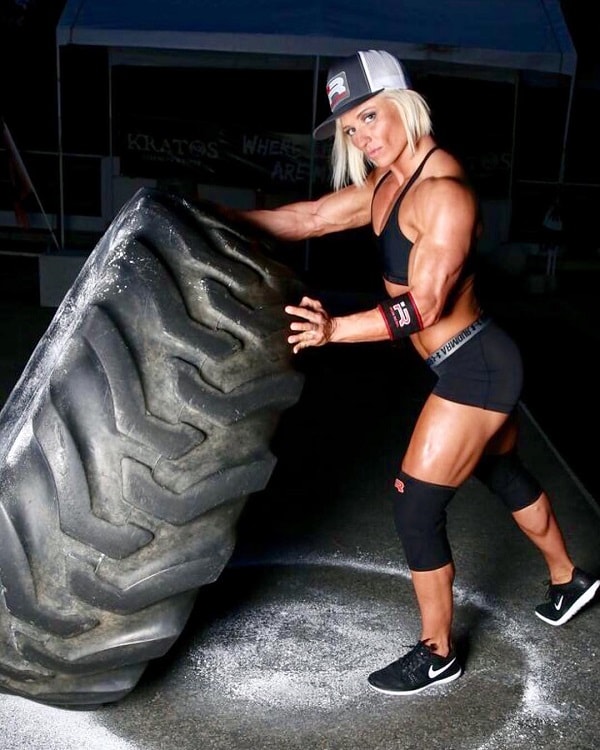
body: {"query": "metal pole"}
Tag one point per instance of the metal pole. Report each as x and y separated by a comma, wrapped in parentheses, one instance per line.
(60, 217)
(111, 186)
(312, 150)
(563, 156)
(514, 148)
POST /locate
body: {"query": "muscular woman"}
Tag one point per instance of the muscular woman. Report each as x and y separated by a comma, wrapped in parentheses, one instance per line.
(389, 172)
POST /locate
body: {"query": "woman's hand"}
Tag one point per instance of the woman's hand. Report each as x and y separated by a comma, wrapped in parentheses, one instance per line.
(316, 327)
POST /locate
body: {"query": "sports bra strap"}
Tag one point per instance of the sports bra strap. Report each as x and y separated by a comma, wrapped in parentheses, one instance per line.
(411, 179)
(414, 176)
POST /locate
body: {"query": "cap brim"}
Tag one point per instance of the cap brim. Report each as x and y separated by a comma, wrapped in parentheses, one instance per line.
(327, 128)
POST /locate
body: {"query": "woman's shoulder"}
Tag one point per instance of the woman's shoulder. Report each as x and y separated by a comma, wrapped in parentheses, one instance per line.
(444, 163)
(446, 191)
(450, 191)
(445, 174)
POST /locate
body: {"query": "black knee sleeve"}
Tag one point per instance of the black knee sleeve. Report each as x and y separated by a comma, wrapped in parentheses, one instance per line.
(420, 518)
(506, 476)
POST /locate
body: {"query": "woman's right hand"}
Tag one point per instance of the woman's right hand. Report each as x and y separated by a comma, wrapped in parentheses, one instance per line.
(315, 326)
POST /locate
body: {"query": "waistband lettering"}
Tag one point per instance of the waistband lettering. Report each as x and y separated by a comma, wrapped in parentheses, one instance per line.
(445, 350)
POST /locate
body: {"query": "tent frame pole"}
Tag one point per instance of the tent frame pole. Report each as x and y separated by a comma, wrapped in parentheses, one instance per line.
(61, 187)
(563, 154)
(311, 172)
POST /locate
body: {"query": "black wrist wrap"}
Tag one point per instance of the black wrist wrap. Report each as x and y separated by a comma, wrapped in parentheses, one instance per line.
(401, 316)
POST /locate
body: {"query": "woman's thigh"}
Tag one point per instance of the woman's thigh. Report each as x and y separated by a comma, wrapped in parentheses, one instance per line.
(449, 439)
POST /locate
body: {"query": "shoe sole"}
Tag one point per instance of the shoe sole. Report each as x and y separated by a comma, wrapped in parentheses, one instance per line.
(584, 599)
(449, 678)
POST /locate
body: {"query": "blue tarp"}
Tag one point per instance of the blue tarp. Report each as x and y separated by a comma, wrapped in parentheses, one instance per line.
(497, 39)
(528, 35)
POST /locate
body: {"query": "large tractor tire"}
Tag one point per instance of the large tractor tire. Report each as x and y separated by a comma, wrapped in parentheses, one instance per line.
(130, 444)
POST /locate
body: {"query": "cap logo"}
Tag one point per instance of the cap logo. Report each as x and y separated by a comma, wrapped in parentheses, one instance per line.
(337, 89)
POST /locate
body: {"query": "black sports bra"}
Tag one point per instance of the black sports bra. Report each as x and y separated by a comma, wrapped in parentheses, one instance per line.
(394, 248)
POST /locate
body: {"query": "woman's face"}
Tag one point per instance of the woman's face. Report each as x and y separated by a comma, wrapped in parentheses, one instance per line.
(375, 127)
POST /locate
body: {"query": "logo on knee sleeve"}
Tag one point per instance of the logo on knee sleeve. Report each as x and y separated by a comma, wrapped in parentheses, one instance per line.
(399, 485)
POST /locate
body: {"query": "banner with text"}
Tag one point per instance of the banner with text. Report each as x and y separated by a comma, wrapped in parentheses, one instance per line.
(220, 155)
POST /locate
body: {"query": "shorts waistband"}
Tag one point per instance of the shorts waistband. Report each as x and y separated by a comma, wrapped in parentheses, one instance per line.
(445, 350)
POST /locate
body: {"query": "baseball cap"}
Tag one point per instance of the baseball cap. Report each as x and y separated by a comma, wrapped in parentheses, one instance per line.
(352, 80)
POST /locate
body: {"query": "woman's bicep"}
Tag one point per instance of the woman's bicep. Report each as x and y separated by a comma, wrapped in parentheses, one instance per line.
(447, 229)
(347, 208)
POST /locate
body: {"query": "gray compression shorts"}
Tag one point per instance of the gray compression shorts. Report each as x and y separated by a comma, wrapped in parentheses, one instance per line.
(479, 367)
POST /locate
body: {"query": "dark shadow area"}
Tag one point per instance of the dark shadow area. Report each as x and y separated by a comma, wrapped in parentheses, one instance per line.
(353, 421)
(557, 331)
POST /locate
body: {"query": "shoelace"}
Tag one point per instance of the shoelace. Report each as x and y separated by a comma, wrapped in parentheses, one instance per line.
(548, 584)
(414, 660)
(554, 590)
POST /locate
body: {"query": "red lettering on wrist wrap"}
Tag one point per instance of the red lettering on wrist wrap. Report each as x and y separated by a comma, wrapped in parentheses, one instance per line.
(401, 316)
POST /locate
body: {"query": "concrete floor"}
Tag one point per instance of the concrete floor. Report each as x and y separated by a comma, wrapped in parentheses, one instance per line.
(276, 653)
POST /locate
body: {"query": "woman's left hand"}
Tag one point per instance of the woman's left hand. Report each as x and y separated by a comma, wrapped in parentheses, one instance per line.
(315, 328)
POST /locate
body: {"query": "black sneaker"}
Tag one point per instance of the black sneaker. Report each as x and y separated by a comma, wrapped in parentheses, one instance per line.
(566, 599)
(415, 671)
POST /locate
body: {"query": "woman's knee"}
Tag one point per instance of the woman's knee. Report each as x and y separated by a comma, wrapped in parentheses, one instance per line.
(535, 518)
(506, 477)
(420, 519)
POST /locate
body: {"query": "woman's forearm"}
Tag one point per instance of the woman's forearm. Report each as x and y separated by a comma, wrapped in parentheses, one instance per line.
(359, 327)
(288, 223)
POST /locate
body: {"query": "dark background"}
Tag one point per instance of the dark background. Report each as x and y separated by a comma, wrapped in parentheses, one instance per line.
(557, 329)
(182, 102)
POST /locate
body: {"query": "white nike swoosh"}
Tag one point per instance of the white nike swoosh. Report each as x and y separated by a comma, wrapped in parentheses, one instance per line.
(558, 604)
(435, 672)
